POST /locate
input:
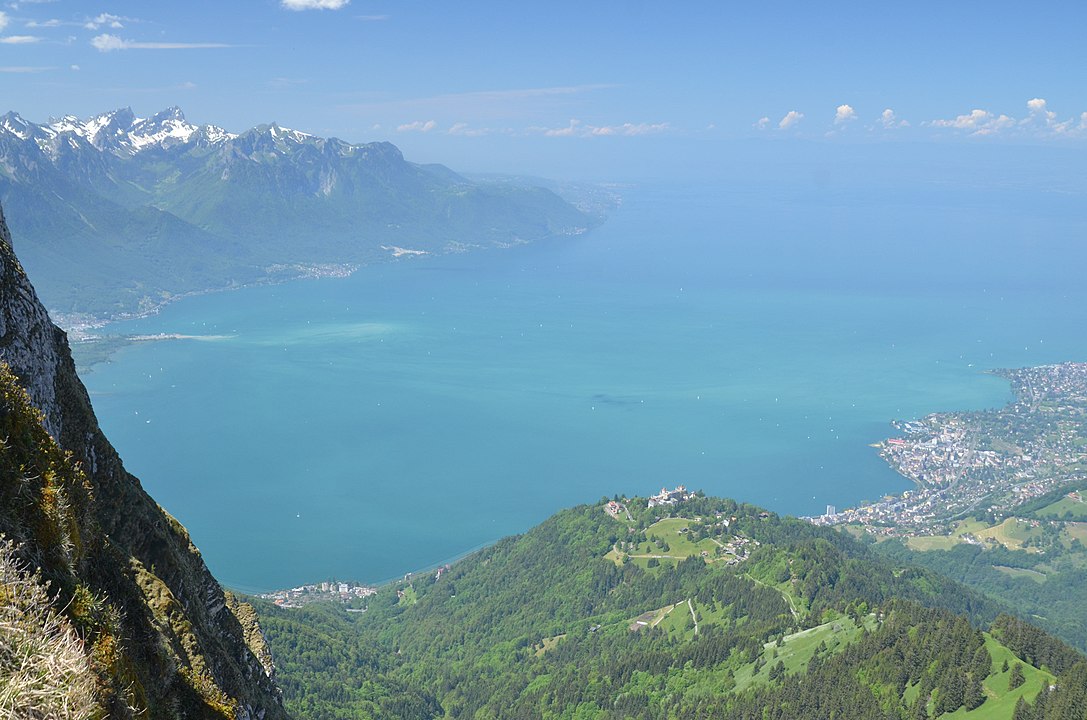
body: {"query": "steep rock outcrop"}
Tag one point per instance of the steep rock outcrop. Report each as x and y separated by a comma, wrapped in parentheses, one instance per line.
(158, 629)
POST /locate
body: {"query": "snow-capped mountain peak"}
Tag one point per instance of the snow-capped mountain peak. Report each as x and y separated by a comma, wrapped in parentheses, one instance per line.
(16, 125)
(120, 131)
(165, 128)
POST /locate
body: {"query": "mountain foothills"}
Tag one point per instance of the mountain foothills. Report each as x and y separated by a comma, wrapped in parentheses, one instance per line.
(118, 214)
(106, 607)
(701, 608)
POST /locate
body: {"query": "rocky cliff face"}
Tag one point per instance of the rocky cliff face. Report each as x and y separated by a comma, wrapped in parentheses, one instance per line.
(160, 634)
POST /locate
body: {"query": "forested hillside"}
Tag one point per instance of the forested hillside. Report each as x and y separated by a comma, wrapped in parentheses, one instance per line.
(705, 608)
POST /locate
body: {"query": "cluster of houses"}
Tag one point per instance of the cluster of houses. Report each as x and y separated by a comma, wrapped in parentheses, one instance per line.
(329, 590)
(670, 497)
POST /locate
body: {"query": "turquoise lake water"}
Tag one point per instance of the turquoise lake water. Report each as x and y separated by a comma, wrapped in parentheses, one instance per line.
(750, 346)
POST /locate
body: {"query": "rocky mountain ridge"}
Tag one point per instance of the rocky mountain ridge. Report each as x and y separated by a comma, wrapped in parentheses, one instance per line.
(119, 131)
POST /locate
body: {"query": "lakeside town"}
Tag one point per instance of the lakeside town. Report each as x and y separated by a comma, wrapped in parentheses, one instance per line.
(983, 463)
(319, 592)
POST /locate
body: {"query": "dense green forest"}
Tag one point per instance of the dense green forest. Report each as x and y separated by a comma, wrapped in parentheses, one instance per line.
(707, 608)
(1046, 588)
(1036, 562)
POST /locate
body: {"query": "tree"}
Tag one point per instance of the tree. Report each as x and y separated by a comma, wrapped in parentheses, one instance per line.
(974, 695)
(1016, 679)
(777, 672)
(951, 693)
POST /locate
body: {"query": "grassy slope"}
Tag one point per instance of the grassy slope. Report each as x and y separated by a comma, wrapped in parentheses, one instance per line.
(1000, 702)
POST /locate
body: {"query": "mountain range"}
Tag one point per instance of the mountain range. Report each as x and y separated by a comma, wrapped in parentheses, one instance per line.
(118, 214)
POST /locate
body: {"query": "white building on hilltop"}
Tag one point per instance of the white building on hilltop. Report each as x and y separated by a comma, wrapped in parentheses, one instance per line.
(670, 497)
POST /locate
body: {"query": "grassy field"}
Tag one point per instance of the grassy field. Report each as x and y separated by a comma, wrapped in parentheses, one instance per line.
(1078, 508)
(671, 531)
(653, 618)
(548, 644)
(1034, 575)
(1011, 533)
(924, 543)
(677, 545)
(408, 596)
(676, 619)
(946, 542)
(1076, 531)
(1000, 704)
(796, 650)
(679, 621)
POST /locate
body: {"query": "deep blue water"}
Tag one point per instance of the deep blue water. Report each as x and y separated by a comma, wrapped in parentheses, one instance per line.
(748, 344)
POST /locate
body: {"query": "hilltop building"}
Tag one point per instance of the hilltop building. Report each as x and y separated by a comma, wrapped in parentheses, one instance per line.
(670, 497)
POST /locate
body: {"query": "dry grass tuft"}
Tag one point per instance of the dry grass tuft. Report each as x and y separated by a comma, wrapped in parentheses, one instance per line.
(44, 671)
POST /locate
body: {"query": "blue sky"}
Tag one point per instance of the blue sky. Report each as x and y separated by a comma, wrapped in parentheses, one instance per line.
(561, 88)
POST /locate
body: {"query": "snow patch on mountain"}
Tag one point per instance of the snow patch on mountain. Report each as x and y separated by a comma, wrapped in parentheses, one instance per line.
(119, 131)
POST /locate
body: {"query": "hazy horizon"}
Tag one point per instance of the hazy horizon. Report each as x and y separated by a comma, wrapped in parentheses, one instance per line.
(614, 91)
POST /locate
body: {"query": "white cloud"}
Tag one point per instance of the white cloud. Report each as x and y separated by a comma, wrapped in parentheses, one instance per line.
(417, 126)
(1042, 118)
(19, 69)
(19, 39)
(790, 120)
(16, 5)
(44, 24)
(75, 67)
(576, 128)
(890, 121)
(463, 129)
(978, 122)
(568, 131)
(1042, 115)
(107, 43)
(1040, 122)
(844, 114)
(629, 129)
(4, 20)
(106, 20)
(313, 4)
(762, 123)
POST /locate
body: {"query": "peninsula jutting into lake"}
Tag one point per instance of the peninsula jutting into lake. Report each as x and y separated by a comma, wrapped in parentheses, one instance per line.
(986, 462)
